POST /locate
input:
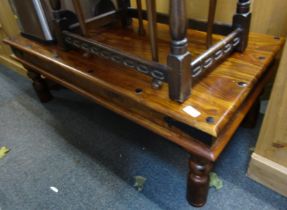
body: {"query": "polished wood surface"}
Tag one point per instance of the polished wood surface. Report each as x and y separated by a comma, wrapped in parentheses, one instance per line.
(202, 125)
(219, 102)
(218, 95)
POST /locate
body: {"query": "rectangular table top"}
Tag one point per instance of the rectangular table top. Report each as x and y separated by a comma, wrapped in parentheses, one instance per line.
(218, 95)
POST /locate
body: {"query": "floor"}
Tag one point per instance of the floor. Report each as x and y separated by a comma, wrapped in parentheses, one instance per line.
(73, 154)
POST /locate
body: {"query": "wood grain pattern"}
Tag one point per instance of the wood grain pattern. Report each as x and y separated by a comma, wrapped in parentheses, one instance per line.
(268, 164)
(8, 28)
(272, 142)
(269, 17)
(217, 95)
(5, 30)
(222, 98)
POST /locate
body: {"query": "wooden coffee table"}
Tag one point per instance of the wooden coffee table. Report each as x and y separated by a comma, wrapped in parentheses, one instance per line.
(202, 125)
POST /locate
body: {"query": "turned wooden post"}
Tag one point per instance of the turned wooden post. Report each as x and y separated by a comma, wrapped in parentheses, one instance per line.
(242, 19)
(179, 58)
(40, 86)
(198, 181)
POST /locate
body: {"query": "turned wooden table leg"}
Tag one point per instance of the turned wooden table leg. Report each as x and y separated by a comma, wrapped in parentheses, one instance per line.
(40, 87)
(198, 181)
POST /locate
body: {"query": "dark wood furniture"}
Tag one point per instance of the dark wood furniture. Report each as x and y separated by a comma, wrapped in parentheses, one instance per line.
(177, 68)
(202, 125)
(97, 58)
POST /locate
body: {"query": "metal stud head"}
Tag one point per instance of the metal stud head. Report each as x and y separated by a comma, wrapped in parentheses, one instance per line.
(242, 84)
(210, 120)
(156, 84)
(138, 91)
(261, 58)
(277, 37)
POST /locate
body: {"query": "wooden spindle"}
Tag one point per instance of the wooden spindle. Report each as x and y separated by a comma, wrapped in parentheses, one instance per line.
(152, 25)
(179, 58)
(211, 17)
(140, 17)
(81, 17)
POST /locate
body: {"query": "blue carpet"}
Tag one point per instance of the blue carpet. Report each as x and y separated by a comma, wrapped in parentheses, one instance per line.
(91, 156)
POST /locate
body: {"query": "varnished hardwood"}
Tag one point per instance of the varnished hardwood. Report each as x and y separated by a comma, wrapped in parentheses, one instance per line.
(179, 59)
(220, 97)
(242, 20)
